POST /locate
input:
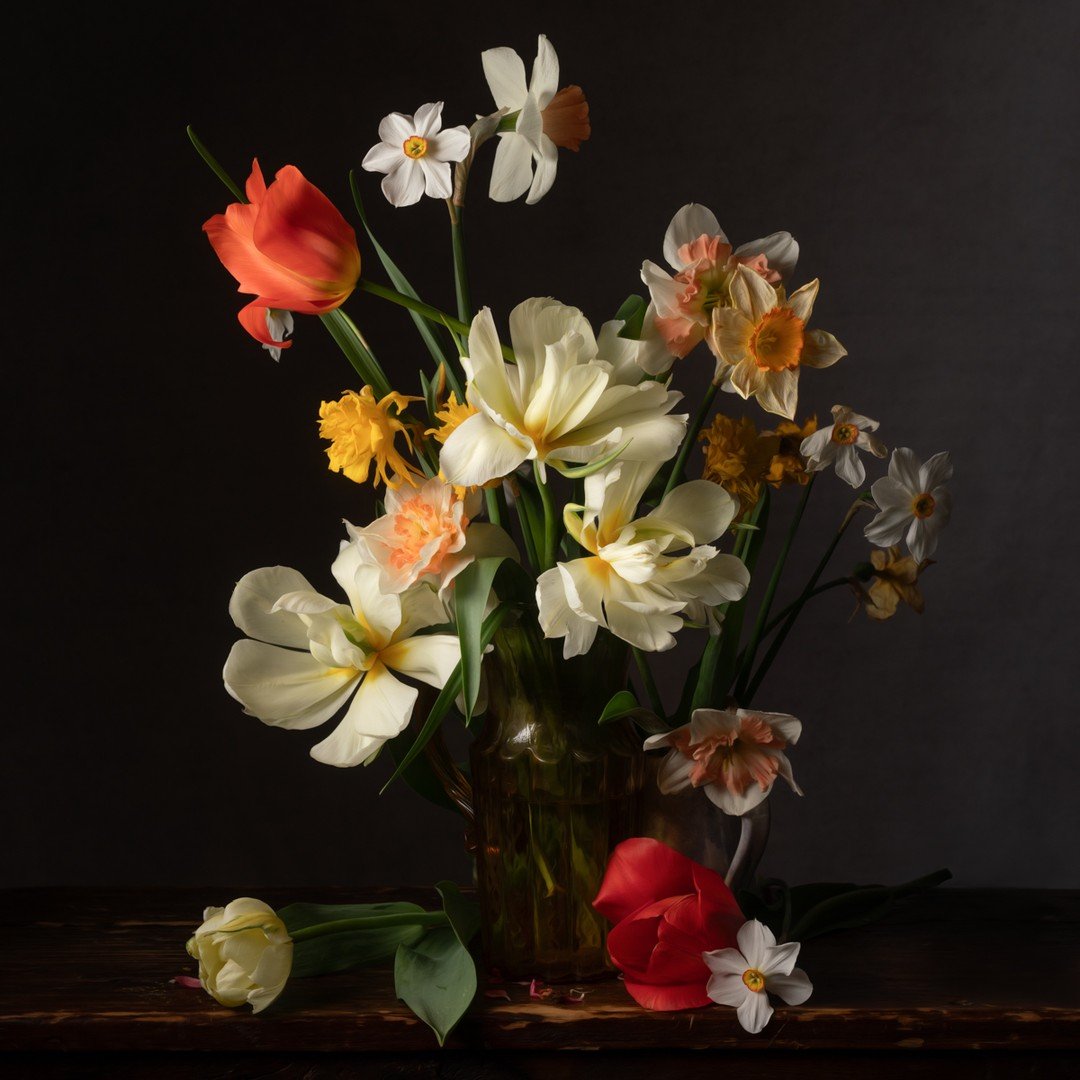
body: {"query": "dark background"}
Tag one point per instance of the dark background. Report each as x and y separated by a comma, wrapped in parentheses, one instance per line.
(923, 154)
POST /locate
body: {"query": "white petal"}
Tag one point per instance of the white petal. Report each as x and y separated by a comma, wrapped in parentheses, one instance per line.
(453, 144)
(752, 294)
(779, 393)
(663, 288)
(253, 599)
(557, 618)
(478, 451)
(849, 466)
(505, 74)
(755, 1012)
(692, 221)
(727, 987)
(802, 300)
(821, 349)
(888, 527)
(396, 128)
(937, 470)
(511, 173)
(726, 962)
(754, 938)
(779, 960)
(674, 773)
(380, 711)
(437, 181)
(699, 510)
(904, 468)
(819, 447)
(547, 162)
(545, 72)
(383, 157)
(890, 494)
(794, 988)
(283, 687)
(734, 804)
(405, 185)
(428, 119)
(780, 248)
(430, 658)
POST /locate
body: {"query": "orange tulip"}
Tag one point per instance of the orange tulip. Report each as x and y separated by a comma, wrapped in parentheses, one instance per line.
(288, 246)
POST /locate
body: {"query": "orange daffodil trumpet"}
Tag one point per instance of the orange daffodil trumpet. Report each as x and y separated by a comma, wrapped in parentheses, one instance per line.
(290, 248)
(543, 117)
(703, 260)
(570, 398)
(644, 577)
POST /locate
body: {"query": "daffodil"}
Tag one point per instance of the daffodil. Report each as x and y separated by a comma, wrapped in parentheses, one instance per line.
(913, 503)
(788, 465)
(363, 431)
(643, 577)
(762, 341)
(415, 153)
(427, 534)
(279, 326)
(737, 457)
(736, 755)
(895, 580)
(306, 655)
(703, 260)
(744, 977)
(569, 399)
(838, 444)
(544, 118)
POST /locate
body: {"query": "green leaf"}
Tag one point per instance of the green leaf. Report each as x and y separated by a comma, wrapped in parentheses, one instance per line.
(436, 978)
(215, 168)
(298, 916)
(632, 314)
(464, 914)
(445, 700)
(351, 948)
(576, 472)
(472, 587)
(364, 363)
(401, 283)
(624, 706)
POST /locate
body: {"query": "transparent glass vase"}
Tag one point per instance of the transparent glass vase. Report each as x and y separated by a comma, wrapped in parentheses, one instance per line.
(553, 792)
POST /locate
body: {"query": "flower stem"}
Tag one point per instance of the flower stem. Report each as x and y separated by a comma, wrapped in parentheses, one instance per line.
(461, 274)
(493, 510)
(796, 608)
(690, 438)
(648, 682)
(770, 592)
(373, 922)
(551, 526)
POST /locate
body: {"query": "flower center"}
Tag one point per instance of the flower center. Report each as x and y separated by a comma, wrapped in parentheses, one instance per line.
(844, 434)
(754, 980)
(922, 506)
(416, 525)
(415, 146)
(777, 341)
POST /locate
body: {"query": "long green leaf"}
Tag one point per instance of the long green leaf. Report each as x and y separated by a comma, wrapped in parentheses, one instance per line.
(623, 705)
(351, 948)
(215, 167)
(577, 472)
(446, 698)
(436, 978)
(363, 361)
(464, 914)
(300, 916)
(472, 587)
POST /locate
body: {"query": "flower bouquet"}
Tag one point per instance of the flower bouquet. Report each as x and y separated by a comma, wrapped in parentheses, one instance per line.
(551, 516)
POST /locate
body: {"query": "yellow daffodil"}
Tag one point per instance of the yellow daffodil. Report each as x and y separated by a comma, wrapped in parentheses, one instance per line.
(362, 430)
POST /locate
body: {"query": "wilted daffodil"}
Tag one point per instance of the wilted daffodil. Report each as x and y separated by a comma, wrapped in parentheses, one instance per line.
(643, 578)
(762, 341)
(362, 431)
(244, 953)
(914, 503)
(569, 399)
(895, 580)
(544, 118)
(310, 654)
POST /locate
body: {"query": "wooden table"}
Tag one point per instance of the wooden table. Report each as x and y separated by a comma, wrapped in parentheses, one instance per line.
(978, 982)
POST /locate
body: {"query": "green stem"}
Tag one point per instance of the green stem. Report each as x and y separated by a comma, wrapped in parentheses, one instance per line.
(373, 922)
(770, 592)
(551, 526)
(461, 274)
(679, 467)
(494, 514)
(648, 682)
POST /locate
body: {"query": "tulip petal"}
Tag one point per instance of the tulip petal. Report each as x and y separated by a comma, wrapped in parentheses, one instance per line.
(668, 998)
(253, 319)
(253, 600)
(478, 451)
(430, 658)
(641, 871)
(698, 511)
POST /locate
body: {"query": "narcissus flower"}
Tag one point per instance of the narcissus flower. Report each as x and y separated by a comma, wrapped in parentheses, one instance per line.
(913, 500)
(427, 534)
(306, 655)
(736, 755)
(244, 952)
(838, 444)
(288, 246)
(570, 398)
(415, 153)
(787, 465)
(362, 430)
(698, 251)
(544, 118)
(279, 326)
(643, 578)
(744, 977)
(737, 457)
(895, 580)
(761, 342)
(451, 416)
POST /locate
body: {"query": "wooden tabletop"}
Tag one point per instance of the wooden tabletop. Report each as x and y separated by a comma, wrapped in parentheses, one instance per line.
(90, 973)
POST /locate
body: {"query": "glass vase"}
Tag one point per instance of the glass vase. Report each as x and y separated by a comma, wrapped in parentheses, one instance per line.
(553, 793)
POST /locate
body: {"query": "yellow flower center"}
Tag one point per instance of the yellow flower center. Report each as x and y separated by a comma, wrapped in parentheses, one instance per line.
(416, 525)
(922, 506)
(844, 434)
(754, 980)
(777, 341)
(415, 146)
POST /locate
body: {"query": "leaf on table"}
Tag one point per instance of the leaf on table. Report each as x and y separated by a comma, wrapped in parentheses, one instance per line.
(436, 978)
(464, 914)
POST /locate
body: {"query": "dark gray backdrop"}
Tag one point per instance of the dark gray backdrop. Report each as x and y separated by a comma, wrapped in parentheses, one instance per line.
(923, 154)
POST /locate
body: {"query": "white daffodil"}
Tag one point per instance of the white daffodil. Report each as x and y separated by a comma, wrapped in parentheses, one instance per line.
(838, 444)
(703, 260)
(310, 654)
(427, 533)
(644, 577)
(569, 398)
(913, 500)
(744, 977)
(736, 755)
(415, 153)
(543, 116)
(761, 343)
